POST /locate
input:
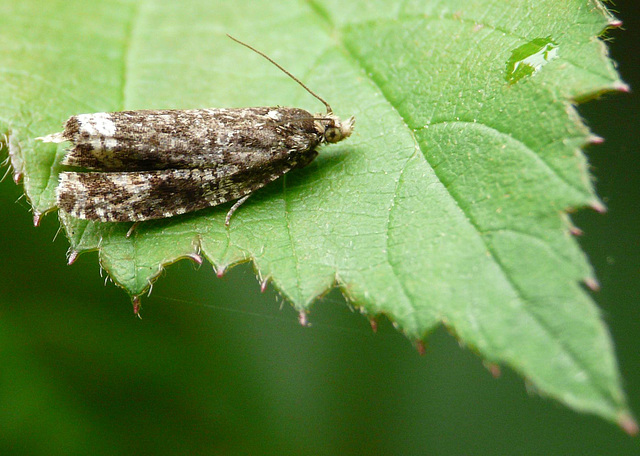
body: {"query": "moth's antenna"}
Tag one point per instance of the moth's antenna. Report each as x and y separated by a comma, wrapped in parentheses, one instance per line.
(329, 110)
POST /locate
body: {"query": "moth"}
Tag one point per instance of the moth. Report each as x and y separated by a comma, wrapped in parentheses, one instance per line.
(150, 164)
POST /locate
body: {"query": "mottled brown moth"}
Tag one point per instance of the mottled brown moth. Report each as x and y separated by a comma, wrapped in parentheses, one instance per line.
(152, 164)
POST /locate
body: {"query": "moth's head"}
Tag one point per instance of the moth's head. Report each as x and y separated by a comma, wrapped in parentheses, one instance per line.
(335, 129)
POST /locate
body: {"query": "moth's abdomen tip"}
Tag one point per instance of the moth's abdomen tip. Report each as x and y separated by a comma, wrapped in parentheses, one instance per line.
(53, 138)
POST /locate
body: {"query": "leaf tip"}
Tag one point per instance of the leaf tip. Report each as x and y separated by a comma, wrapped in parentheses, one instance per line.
(421, 347)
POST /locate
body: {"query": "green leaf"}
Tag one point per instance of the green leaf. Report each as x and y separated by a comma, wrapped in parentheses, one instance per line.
(447, 206)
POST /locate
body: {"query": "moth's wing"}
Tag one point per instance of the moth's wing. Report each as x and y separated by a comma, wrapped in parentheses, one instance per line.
(185, 139)
(147, 195)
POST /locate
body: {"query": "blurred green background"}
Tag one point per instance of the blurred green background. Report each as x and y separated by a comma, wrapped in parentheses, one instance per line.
(216, 367)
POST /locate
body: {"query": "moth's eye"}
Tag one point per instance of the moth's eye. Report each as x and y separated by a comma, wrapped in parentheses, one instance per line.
(332, 134)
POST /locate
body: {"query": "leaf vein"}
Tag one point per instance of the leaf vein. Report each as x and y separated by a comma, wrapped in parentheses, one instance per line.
(537, 157)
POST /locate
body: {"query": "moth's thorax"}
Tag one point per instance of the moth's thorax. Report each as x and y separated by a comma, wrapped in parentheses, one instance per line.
(332, 128)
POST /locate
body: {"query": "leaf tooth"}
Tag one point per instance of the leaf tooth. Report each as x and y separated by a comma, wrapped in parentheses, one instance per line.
(73, 256)
(220, 270)
(264, 283)
(628, 424)
(598, 206)
(493, 369)
(595, 139)
(195, 257)
(137, 304)
(592, 283)
(576, 231)
(37, 217)
(374, 324)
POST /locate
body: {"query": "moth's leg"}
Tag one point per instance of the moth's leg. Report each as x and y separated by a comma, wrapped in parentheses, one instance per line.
(132, 229)
(227, 220)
